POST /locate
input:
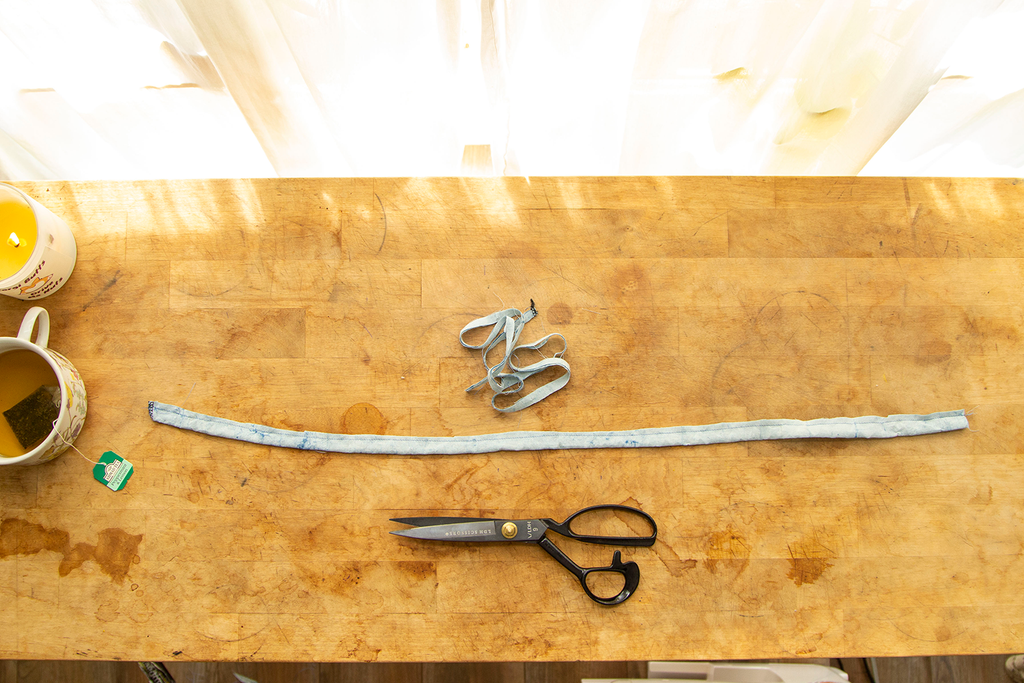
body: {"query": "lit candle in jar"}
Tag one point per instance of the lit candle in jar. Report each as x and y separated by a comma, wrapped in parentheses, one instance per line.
(37, 250)
(18, 223)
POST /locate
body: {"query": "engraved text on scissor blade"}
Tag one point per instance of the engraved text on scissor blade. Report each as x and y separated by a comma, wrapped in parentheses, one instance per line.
(470, 532)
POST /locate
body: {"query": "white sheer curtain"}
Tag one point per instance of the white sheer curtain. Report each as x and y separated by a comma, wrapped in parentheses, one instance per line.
(99, 89)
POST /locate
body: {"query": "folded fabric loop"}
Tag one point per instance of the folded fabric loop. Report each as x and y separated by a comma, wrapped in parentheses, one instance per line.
(506, 326)
(498, 320)
(509, 336)
(540, 343)
(539, 394)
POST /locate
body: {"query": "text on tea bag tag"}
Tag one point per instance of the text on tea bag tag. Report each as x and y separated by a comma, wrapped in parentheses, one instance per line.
(113, 471)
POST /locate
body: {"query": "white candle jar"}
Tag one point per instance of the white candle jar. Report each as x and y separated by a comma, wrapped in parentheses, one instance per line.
(49, 247)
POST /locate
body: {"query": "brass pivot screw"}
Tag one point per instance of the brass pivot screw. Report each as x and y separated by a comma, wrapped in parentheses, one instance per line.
(509, 530)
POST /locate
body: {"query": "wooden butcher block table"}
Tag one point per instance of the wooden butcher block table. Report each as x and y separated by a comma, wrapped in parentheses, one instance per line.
(335, 305)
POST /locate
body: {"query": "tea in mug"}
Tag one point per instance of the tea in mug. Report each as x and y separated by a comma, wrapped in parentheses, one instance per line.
(29, 400)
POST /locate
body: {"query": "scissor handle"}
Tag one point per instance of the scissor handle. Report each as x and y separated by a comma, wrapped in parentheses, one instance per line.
(629, 570)
(565, 528)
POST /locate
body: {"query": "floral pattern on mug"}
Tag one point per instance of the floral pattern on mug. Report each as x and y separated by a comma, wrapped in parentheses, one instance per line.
(74, 396)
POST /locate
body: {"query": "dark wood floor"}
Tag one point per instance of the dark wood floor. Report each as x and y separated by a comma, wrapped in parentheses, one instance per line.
(973, 669)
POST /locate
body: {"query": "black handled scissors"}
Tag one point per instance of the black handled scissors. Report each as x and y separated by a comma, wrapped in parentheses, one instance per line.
(483, 530)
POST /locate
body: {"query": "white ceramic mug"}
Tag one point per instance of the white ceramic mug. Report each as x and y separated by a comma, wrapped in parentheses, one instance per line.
(71, 417)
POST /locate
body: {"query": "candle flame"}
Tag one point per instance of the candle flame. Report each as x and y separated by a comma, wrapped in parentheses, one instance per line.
(14, 241)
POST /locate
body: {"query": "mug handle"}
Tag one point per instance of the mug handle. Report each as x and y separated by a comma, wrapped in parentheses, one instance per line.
(33, 315)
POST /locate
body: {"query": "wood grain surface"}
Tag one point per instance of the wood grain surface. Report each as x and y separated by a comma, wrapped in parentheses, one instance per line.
(335, 305)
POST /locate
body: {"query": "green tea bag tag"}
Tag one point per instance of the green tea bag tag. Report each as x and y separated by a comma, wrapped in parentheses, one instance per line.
(112, 470)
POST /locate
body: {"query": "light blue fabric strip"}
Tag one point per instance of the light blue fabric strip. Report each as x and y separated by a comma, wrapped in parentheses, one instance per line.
(507, 326)
(867, 427)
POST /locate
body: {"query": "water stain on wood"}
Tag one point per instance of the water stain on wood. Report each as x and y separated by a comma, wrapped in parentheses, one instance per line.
(363, 418)
(773, 470)
(371, 582)
(108, 611)
(935, 348)
(982, 331)
(418, 570)
(114, 552)
(724, 546)
(670, 559)
(362, 652)
(807, 570)
(200, 485)
(343, 578)
(631, 285)
(808, 559)
(982, 497)
(559, 314)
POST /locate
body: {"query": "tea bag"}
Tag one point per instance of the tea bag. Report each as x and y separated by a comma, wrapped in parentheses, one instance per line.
(32, 418)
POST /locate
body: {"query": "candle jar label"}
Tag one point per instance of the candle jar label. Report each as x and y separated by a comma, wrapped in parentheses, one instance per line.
(49, 275)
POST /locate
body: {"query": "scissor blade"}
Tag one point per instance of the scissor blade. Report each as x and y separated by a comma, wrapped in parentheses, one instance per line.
(477, 532)
(434, 521)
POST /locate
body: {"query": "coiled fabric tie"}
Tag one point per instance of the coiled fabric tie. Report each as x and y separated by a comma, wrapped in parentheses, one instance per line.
(506, 326)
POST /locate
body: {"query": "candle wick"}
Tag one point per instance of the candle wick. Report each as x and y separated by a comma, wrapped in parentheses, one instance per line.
(14, 241)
